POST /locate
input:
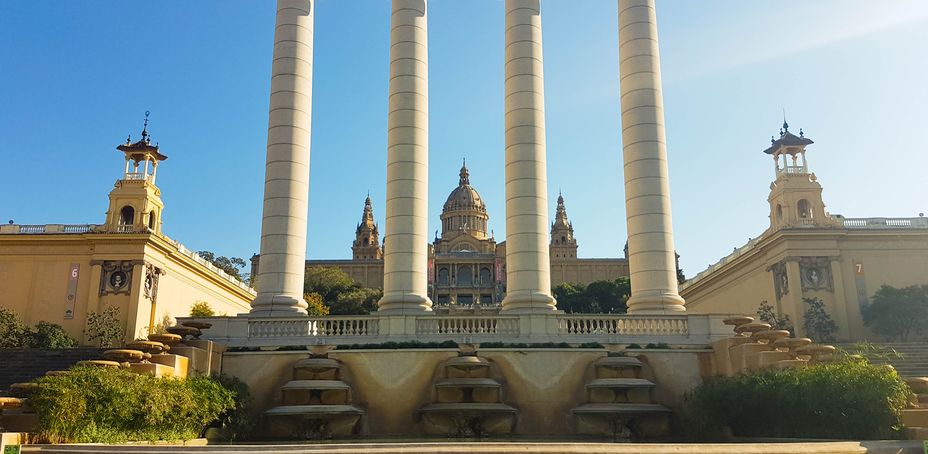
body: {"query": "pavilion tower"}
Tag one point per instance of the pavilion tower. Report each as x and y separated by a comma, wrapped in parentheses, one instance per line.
(651, 258)
(135, 201)
(366, 245)
(795, 195)
(528, 272)
(286, 178)
(563, 244)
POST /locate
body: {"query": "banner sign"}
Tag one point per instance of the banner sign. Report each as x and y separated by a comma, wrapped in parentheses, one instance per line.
(72, 291)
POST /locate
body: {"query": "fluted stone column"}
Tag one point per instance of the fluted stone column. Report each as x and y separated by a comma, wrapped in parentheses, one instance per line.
(652, 263)
(405, 278)
(286, 180)
(528, 269)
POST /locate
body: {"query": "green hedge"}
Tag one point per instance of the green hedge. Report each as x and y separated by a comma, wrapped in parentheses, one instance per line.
(96, 405)
(850, 399)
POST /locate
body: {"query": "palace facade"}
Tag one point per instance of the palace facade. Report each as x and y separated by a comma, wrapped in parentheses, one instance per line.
(466, 265)
(808, 253)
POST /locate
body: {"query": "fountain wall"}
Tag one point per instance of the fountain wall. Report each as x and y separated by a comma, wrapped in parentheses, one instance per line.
(543, 384)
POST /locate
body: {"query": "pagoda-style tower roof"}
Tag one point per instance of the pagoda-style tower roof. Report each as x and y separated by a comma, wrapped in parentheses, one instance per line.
(142, 149)
(788, 143)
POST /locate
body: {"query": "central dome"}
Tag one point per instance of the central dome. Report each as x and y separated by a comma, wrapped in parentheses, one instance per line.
(464, 211)
(464, 197)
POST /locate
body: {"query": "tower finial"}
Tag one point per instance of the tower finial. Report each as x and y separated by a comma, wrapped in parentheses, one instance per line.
(785, 124)
(465, 174)
(145, 127)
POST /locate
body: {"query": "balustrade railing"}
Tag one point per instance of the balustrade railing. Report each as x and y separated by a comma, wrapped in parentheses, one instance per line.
(467, 325)
(606, 325)
(314, 327)
(32, 229)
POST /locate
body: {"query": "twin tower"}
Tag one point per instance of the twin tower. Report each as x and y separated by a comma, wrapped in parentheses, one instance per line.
(647, 191)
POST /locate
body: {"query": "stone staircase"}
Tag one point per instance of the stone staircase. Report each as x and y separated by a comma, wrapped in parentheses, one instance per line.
(914, 361)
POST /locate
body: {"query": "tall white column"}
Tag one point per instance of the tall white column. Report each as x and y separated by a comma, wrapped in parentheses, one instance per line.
(528, 269)
(405, 276)
(652, 264)
(286, 180)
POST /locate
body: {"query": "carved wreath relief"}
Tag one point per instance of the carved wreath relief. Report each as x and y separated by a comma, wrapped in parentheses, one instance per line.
(815, 273)
(116, 277)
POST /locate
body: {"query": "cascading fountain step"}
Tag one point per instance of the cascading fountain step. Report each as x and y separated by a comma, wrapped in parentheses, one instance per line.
(620, 383)
(315, 404)
(467, 382)
(621, 409)
(451, 407)
(316, 384)
(314, 410)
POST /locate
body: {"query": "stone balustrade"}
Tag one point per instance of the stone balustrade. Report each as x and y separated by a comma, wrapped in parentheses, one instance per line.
(687, 329)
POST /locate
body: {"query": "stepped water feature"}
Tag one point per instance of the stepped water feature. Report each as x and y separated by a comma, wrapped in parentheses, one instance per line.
(316, 404)
(620, 402)
(467, 399)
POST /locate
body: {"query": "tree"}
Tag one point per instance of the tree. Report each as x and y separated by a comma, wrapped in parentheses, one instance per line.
(816, 322)
(202, 309)
(357, 301)
(233, 266)
(316, 308)
(105, 327)
(767, 315)
(328, 282)
(596, 298)
(898, 313)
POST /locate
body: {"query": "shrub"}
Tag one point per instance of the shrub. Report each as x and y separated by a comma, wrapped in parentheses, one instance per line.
(767, 314)
(50, 335)
(13, 333)
(202, 308)
(105, 327)
(236, 423)
(849, 399)
(97, 405)
(816, 321)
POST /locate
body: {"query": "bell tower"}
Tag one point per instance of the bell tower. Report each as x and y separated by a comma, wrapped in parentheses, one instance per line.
(563, 244)
(795, 195)
(135, 201)
(366, 244)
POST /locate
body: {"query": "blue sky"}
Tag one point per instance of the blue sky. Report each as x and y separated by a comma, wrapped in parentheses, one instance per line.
(76, 78)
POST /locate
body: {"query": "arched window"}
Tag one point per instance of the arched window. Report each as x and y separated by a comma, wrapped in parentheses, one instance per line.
(152, 218)
(563, 239)
(485, 276)
(443, 276)
(465, 276)
(127, 215)
(779, 213)
(804, 211)
(365, 241)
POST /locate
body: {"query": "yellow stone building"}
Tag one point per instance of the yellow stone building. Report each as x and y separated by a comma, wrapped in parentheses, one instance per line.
(466, 264)
(59, 273)
(807, 252)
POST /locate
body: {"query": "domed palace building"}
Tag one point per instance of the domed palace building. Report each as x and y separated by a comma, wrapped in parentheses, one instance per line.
(467, 266)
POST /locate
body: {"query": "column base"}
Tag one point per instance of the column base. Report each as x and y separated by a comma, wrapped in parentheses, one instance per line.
(400, 303)
(528, 302)
(656, 302)
(278, 306)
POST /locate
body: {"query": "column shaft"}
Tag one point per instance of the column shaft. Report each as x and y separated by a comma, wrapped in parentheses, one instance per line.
(286, 180)
(652, 263)
(405, 278)
(528, 269)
